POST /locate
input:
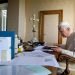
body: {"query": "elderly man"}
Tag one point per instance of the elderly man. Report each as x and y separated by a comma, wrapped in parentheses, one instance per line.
(69, 49)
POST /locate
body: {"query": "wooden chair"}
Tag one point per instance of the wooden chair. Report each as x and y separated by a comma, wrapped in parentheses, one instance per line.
(67, 59)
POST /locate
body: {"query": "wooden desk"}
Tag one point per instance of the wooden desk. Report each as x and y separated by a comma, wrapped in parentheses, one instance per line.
(52, 69)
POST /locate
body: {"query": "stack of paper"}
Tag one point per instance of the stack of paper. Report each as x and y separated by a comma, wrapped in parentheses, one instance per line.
(35, 58)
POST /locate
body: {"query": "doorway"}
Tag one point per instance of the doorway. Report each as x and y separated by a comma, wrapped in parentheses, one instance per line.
(48, 26)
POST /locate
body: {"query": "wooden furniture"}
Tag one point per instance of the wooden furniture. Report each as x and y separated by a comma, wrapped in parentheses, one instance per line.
(67, 59)
(61, 57)
(66, 71)
(52, 69)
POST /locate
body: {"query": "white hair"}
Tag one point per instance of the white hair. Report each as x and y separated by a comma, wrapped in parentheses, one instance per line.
(64, 25)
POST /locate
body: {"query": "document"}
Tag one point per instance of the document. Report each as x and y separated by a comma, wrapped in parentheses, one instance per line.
(5, 49)
(44, 48)
(35, 58)
(38, 47)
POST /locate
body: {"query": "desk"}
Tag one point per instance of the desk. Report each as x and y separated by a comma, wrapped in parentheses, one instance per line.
(52, 69)
(23, 70)
(37, 58)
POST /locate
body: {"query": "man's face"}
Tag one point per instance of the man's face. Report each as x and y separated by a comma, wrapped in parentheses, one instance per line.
(64, 32)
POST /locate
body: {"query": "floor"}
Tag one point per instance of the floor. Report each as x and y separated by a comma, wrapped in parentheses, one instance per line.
(71, 67)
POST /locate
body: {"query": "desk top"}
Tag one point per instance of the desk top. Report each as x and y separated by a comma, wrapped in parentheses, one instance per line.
(23, 70)
(19, 63)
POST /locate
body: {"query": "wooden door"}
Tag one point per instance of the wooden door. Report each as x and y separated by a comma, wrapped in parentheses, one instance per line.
(48, 26)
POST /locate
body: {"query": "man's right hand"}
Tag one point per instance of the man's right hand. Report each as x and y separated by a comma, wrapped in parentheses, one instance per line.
(57, 49)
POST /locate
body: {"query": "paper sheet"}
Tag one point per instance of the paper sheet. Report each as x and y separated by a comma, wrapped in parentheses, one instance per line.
(35, 58)
(5, 49)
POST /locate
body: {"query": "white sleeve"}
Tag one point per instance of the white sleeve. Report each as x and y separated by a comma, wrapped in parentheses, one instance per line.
(67, 52)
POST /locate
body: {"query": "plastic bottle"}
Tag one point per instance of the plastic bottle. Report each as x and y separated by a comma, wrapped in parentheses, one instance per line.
(20, 46)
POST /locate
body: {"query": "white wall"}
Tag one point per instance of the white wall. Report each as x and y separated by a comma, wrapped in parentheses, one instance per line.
(22, 20)
(38, 5)
(28, 16)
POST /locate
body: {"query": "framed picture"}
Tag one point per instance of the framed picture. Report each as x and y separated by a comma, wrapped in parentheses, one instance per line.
(7, 40)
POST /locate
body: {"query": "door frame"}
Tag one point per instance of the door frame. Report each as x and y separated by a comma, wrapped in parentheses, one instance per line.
(41, 23)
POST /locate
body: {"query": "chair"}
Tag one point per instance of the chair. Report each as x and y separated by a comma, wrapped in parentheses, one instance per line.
(68, 59)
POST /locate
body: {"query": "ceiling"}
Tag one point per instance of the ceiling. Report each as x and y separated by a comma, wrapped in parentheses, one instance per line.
(3, 1)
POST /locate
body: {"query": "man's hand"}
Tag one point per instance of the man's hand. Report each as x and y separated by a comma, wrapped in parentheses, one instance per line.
(57, 49)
